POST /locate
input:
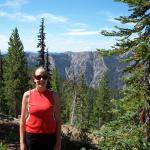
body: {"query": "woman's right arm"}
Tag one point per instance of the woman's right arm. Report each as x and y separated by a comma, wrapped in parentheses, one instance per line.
(23, 119)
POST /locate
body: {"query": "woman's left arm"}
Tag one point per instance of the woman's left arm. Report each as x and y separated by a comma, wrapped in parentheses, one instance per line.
(58, 121)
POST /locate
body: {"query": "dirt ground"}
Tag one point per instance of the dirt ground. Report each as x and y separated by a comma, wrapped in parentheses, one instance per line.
(9, 131)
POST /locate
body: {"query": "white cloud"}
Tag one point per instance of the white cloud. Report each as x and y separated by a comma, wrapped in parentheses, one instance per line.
(107, 29)
(81, 32)
(69, 44)
(111, 17)
(113, 20)
(57, 43)
(18, 16)
(105, 13)
(118, 22)
(3, 43)
(23, 17)
(29, 44)
(51, 18)
(14, 3)
(61, 44)
(79, 25)
(3, 14)
(28, 18)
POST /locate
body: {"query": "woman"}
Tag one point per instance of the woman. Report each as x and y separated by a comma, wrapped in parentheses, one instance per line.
(40, 127)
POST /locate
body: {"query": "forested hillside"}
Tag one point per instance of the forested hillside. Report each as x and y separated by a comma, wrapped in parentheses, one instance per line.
(120, 116)
(129, 128)
(81, 105)
(91, 64)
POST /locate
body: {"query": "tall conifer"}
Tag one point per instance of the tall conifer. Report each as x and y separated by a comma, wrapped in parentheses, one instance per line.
(67, 95)
(55, 81)
(15, 74)
(102, 104)
(134, 43)
(43, 57)
(1, 67)
(1, 82)
(48, 68)
(41, 44)
(74, 99)
(82, 104)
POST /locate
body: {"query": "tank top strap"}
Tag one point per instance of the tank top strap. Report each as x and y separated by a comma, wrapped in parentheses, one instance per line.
(29, 95)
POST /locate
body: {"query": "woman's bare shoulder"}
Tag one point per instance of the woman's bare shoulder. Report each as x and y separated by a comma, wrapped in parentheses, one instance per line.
(26, 94)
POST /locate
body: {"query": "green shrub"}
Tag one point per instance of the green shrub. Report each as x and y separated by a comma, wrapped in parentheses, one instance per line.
(3, 146)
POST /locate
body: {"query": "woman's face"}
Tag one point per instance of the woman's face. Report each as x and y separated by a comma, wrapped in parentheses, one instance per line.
(40, 78)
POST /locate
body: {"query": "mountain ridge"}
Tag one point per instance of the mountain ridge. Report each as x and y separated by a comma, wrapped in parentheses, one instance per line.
(90, 64)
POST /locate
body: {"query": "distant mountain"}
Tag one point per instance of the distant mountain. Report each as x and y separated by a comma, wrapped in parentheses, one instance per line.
(91, 64)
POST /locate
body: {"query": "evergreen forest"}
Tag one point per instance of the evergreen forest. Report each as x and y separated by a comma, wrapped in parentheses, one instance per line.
(121, 117)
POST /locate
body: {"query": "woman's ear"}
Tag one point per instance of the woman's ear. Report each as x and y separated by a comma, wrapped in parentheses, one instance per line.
(33, 78)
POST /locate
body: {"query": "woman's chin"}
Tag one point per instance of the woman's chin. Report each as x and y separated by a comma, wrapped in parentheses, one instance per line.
(41, 85)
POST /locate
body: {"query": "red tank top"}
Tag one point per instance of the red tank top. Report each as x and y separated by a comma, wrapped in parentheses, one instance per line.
(41, 112)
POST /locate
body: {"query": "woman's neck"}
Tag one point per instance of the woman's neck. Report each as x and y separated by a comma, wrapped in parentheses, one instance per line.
(40, 89)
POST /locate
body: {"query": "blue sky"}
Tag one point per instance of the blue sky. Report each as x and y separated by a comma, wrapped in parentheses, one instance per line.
(70, 25)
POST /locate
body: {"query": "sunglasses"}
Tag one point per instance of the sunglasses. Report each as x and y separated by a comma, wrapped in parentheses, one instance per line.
(44, 77)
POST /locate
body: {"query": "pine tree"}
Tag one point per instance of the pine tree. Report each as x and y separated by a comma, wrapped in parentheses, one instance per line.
(15, 74)
(66, 94)
(74, 100)
(1, 82)
(1, 67)
(134, 42)
(91, 98)
(82, 104)
(48, 65)
(55, 79)
(102, 105)
(41, 44)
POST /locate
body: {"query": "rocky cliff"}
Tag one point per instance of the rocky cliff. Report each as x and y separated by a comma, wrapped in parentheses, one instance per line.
(90, 64)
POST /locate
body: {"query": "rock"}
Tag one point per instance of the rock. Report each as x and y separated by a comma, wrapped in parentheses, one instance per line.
(90, 64)
(72, 138)
(88, 138)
